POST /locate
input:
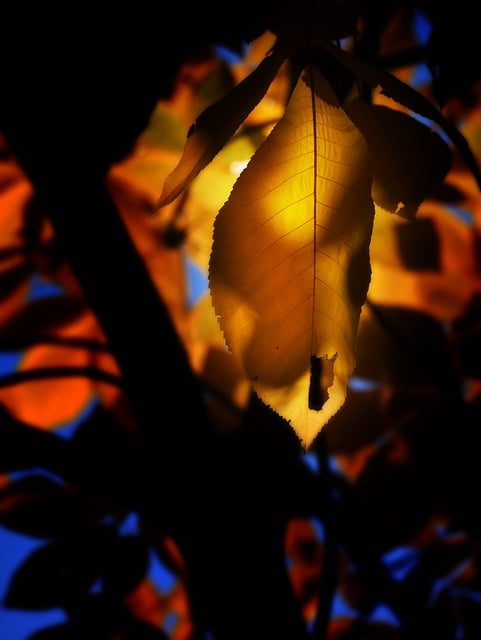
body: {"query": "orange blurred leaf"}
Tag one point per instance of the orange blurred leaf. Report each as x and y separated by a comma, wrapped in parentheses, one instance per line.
(50, 403)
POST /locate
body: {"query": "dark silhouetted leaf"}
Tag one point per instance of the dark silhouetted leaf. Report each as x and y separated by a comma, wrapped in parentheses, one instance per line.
(467, 336)
(67, 631)
(359, 421)
(409, 159)
(44, 314)
(108, 455)
(56, 574)
(101, 617)
(398, 345)
(12, 279)
(447, 193)
(40, 507)
(139, 630)
(452, 52)
(22, 447)
(408, 97)
(125, 564)
(216, 125)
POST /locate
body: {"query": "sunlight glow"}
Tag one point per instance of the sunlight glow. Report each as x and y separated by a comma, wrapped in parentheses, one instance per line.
(237, 166)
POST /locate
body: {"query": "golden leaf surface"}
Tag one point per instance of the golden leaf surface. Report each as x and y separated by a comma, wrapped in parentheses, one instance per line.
(289, 268)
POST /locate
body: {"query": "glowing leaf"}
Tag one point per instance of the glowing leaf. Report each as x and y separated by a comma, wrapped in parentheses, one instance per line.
(52, 402)
(217, 124)
(289, 268)
(409, 160)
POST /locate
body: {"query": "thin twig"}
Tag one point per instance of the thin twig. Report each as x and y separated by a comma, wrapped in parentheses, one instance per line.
(329, 577)
(18, 343)
(35, 375)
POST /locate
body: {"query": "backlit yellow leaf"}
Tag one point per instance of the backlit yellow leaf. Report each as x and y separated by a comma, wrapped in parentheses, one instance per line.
(289, 267)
